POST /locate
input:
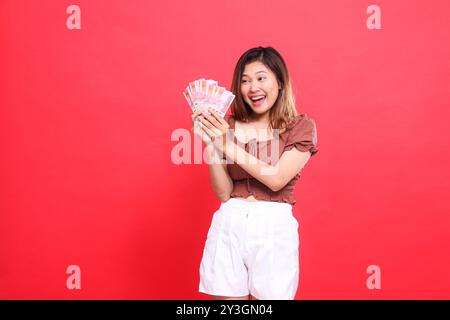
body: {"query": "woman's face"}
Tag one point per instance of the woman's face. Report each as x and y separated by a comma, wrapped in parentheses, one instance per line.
(259, 87)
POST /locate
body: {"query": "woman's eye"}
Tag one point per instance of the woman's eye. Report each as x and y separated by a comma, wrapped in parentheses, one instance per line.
(243, 81)
(261, 78)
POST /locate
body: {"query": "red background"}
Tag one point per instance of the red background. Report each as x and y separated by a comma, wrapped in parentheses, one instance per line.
(87, 116)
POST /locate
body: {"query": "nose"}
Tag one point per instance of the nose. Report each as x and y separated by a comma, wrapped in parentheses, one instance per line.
(253, 88)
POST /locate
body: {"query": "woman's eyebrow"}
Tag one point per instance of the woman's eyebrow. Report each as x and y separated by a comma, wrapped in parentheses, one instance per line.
(261, 71)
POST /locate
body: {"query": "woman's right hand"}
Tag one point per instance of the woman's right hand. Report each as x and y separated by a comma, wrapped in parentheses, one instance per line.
(197, 128)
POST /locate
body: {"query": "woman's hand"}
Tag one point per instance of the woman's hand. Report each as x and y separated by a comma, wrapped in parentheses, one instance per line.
(215, 127)
(197, 128)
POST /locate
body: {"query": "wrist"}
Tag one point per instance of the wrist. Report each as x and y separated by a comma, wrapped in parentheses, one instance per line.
(214, 154)
(230, 149)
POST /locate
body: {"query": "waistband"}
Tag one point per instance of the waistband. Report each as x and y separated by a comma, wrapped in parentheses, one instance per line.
(260, 204)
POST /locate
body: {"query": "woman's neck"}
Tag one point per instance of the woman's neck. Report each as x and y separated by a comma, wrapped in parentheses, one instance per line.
(261, 119)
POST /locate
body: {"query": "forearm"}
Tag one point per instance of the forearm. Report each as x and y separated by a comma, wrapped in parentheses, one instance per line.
(260, 170)
(220, 180)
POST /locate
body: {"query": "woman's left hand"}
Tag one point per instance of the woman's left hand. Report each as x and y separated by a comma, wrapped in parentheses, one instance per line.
(215, 127)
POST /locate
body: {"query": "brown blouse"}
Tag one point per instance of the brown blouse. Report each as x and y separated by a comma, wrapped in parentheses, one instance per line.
(302, 135)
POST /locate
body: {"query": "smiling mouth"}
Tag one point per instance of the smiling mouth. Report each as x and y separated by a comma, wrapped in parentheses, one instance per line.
(258, 100)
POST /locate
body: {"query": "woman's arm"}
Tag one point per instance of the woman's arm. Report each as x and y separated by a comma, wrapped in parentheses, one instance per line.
(221, 181)
(273, 176)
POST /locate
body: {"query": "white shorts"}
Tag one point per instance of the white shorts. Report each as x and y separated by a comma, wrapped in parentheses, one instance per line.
(251, 248)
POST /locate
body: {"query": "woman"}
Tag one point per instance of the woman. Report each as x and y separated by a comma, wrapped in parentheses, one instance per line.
(251, 251)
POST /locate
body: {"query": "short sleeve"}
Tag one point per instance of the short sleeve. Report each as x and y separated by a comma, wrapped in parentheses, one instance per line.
(303, 136)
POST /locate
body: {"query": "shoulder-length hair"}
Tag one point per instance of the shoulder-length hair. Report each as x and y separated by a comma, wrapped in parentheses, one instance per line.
(283, 111)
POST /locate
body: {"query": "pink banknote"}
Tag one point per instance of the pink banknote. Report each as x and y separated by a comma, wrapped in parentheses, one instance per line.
(204, 93)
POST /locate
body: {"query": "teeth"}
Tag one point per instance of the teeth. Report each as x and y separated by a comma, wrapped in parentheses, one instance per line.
(256, 98)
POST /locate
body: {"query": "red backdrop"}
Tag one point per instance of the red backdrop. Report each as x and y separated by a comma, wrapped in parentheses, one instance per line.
(87, 116)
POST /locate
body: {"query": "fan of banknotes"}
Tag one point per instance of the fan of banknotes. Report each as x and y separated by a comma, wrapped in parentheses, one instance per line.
(202, 94)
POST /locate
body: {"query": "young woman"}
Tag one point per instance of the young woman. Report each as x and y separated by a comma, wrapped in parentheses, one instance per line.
(252, 246)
